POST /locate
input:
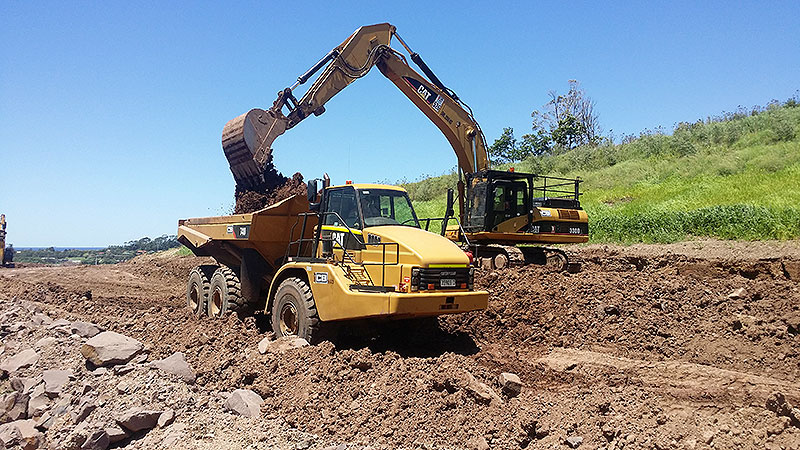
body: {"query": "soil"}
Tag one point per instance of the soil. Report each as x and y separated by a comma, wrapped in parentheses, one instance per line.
(680, 346)
(276, 188)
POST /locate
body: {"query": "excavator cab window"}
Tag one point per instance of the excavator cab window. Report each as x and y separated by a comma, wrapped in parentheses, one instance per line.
(509, 200)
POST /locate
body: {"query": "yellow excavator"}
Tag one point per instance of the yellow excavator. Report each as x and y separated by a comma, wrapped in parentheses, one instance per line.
(504, 216)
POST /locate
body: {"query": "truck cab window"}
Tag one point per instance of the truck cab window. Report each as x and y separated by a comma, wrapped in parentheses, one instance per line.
(387, 207)
(342, 202)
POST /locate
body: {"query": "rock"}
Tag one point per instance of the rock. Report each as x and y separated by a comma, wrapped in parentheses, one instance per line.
(263, 345)
(116, 433)
(9, 434)
(481, 392)
(477, 443)
(24, 384)
(38, 403)
(99, 371)
(795, 416)
(85, 329)
(286, 343)
(45, 422)
(7, 402)
(737, 294)
(137, 419)
(166, 418)
(574, 441)
(511, 384)
(123, 387)
(611, 310)
(14, 406)
(41, 319)
(776, 402)
(84, 409)
(21, 433)
(122, 370)
(45, 342)
(97, 440)
(176, 364)
(110, 348)
(58, 323)
(708, 436)
(139, 359)
(22, 359)
(54, 381)
(244, 402)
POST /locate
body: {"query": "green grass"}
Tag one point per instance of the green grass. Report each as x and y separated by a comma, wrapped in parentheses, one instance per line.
(735, 177)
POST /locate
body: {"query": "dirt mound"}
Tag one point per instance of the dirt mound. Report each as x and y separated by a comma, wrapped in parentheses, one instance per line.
(669, 307)
(276, 188)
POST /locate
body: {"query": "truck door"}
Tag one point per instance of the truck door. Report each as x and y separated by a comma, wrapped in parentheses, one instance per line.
(342, 222)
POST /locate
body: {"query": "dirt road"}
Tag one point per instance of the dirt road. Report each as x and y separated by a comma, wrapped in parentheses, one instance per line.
(660, 347)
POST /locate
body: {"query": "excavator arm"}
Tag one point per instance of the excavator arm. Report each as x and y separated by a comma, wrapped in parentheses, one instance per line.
(247, 140)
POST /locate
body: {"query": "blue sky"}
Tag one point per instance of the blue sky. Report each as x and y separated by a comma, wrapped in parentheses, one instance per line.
(111, 112)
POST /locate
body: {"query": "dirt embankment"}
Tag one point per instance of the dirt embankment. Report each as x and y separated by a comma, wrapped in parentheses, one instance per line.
(642, 349)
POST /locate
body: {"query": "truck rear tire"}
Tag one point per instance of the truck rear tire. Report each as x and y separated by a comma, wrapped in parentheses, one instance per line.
(294, 312)
(224, 294)
(197, 288)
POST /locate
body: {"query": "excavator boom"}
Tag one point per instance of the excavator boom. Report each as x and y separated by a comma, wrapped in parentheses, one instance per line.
(247, 140)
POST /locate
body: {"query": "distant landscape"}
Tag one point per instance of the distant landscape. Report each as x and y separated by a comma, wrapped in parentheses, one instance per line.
(87, 255)
(734, 176)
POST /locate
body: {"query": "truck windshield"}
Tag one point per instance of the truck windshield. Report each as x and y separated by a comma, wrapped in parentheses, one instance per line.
(387, 207)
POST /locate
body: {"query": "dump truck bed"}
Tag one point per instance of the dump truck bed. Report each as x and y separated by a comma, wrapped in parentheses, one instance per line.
(269, 231)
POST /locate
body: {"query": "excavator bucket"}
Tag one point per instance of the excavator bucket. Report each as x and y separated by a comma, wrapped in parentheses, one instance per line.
(247, 143)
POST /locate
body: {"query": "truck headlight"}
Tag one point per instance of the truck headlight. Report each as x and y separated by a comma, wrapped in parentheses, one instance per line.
(415, 279)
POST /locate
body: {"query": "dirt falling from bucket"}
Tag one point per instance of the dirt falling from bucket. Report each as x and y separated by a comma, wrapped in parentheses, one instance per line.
(275, 188)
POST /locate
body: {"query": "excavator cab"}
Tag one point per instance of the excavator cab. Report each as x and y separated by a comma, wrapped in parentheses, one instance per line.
(515, 202)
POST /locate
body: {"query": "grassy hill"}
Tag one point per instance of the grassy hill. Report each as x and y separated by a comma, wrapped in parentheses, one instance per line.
(731, 177)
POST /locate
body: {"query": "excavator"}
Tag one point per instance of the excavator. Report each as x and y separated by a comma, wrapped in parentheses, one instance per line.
(505, 217)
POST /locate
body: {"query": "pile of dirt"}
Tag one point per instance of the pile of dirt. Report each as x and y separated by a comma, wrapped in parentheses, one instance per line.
(742, 315)
(276, 188)
(642, 349)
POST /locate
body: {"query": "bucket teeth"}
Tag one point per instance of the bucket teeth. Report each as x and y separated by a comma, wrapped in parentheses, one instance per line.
(247, 143)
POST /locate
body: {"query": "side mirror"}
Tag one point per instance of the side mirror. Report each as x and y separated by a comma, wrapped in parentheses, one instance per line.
(311, 190)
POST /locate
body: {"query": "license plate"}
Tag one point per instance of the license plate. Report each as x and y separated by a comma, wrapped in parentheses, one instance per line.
(448, 282)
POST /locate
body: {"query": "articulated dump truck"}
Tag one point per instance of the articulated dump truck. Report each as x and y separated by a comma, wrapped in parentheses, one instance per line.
(356, 253)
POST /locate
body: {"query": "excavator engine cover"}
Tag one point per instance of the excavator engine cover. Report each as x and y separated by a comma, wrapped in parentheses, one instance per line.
(247, 143)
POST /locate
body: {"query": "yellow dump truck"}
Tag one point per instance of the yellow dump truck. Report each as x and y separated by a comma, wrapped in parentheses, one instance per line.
(354, 251)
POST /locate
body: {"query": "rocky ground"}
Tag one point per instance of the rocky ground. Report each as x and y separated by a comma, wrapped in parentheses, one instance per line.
(685, 346)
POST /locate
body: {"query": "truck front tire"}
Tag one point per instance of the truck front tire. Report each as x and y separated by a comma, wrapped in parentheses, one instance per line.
(294, 312)
(224, 295)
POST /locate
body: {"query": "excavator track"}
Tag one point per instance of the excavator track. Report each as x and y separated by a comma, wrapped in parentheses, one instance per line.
(494, 256)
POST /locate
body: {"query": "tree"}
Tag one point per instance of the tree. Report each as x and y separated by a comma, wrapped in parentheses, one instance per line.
(570, 118)
(566, 121)
(507, 148)
(503, 148)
